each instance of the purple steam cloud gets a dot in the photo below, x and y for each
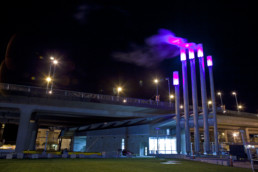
(155, 50)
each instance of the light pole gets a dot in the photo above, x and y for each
(221, 102)
(156, 81)
(55, 62)
(169, 96)
(119, 89)
(48, 79)
(235, 94)
(209, 103)
(51, 75)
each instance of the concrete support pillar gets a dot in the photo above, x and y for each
(186, 107)
(195, 108)
(33, 135)
(178, 117)
(226, 136)
(214, 111)
(2, 126)
(247, 135)
(25, 115)
(204, 106)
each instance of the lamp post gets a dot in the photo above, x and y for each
(169, 96)
(235, 94)
(51, 74)
(156, 81)
(119, 89)
(204, 98)
(221, 102)
(186, 101)
(48, 79)
(213, 102)
(177, 108)
(55, 62)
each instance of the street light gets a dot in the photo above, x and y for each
(55, 62)
(220, 95)
(119, 89)
(156, 81)
(235, 94)
(50, 74)
(209, 103)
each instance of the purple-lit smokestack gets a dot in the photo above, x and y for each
(215, 127)
(182, 54)
(199, 50)
(177, 105)
(175, 78)
(191, 52)
(209, 61)
(204, 99)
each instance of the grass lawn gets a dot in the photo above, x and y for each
(110, 165)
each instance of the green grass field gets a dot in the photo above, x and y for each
(110, 165)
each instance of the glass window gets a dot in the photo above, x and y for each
(164, 145)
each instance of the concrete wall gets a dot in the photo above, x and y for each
(110, 140)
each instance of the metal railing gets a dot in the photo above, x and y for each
(12, 89)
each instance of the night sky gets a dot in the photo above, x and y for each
(103, 44)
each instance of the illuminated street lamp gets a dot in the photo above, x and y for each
(235, 94)
(169, 90)
(50, 74)
(240, 107)
(48, 79)
(119, 89)
(220, 95)
(209, 102)
(235, 134)
(171, 96)
(55, 62)
(156, 81)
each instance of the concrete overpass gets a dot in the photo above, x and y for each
(31, 108)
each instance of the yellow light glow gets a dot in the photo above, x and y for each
(124, 100)
(48, 79)
(181, 106)
(50, 92)
(219, 93)
(156, 81)
(52, 58)
(240, 107)
(209, 102)
(55, 62)
(235, 134)
(171, 96)
(119, 89)
(233, 93)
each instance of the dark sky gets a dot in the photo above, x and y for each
(85, 35)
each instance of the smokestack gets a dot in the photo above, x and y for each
(194, 98)
(178, 117)
(204, 99)
(210, 64)
(186, 102)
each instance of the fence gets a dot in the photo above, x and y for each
(81, 96)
